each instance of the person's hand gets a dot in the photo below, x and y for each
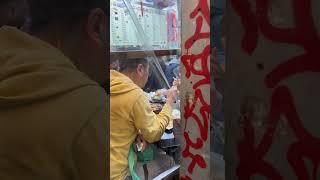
(176, 82)
(141, 143)
(171, 96)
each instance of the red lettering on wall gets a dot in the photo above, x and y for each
(197, 64)
(196, 159)
(304, 34)
(202, 7)
(248, 19)
(197, 35)
(189, 62)
(204, 111)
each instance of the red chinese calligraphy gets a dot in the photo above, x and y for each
(305, 35)
(197, 64)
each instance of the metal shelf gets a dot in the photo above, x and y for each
(168, 173)
(141, 54)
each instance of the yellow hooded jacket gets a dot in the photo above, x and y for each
(53, 118)
(130, 111)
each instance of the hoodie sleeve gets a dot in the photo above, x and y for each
(152, 126)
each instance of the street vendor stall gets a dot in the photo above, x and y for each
(150, 29)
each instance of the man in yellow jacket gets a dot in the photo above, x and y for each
(131, 112)
(53, 108)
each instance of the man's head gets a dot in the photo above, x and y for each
(78, 28)
(136, 69)
(13, 12)
(114, 65)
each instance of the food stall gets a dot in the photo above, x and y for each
(151, 29)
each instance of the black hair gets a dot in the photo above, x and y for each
(162, 64)
(132, 64)
(13, 12)
(68, 12)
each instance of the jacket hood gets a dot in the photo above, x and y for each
(120, 83)
(31, 69)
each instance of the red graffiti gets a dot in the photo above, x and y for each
(197, 35)
(204, 111)
(189, 63)
(203, 7)
(305, 35)
(197, 64)
(250, 38)
(196, 159)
